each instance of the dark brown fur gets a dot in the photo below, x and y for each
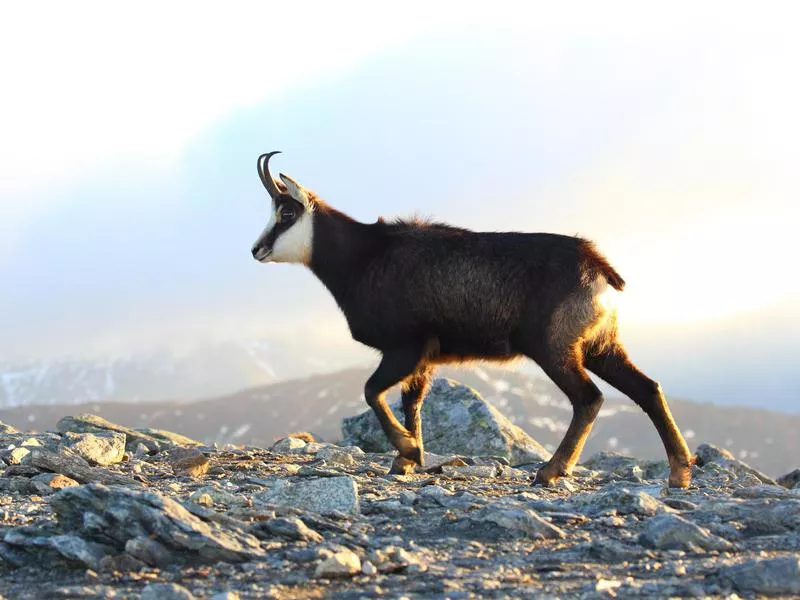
(425, 293)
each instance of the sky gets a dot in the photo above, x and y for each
(129, 197)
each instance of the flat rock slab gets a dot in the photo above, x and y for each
(496, 522)
(455, 420)
(88, 423)
(672, 532)
(101, 448)
(324, 495)
(115, 516)
(770, 576)
(70, 464)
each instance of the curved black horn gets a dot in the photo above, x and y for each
(266, 178)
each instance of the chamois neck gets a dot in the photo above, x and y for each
(341, 248)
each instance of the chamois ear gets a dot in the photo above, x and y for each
(297, 191)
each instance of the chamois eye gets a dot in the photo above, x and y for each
(287, 214)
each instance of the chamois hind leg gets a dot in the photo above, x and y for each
(414, 389)
(568, 374)
(613, 365)
(396, 365)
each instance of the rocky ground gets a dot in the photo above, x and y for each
(96, 510)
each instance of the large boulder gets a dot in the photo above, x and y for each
(455, 420)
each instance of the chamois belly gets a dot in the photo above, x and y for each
(450, 349)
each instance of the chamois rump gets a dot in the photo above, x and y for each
(425, 294)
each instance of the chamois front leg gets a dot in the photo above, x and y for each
(396, 365)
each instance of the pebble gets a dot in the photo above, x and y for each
(344, 563)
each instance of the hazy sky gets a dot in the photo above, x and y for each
(129, 197)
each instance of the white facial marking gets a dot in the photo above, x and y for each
(294, 244)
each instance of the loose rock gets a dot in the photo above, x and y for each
(166, 591)
(769, 576)
(710, 454)
(496, 522)
(106, 448)
(344, 563)
(325, 495)
(189, 463)
(115, 515)
(790, 480)
(75, 467)
(88, 423)
(672, 532)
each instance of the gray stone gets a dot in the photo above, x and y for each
(344, 563)
(149, 551)
(170, 438)
(500, 522)
(88, 423)
(391, 559)
(710, 454)
(70, 464)
(225, 596)
(102, 448)
(672, 532)
(768, 576)
(627, 467)
(328, 452)
(17, 485)
(790, 480)
(291, 528)
(324, 495)
(623, 501)
(166, 591)
(469, 471)
(288, 445)
(49, 483)
(339, 458)
(455, 420)
(764, 491)
(612, 551)
(216, 496)
(71, 547)
(114, 515)
(367, 568)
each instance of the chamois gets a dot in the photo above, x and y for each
(425, 294)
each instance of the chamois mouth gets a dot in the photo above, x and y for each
(262, 255)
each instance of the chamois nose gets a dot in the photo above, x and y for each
(255, 251)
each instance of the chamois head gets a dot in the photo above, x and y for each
(288, 235)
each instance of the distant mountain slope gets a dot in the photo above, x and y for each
(195, 371)
(767, 440)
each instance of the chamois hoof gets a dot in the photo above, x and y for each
(680, 475)
(548, 475)
(402, 466)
